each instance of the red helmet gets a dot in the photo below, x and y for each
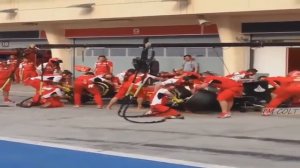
(294, 74)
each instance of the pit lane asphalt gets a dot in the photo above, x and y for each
(245, 140)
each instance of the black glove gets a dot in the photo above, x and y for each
(160, 95)
(97, 80)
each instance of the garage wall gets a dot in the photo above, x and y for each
(270, 60)
(209, 59)
(11, 44)
(273, 60)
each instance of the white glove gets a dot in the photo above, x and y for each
(90, 85)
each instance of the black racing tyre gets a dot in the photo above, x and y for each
(181, 92)
(106, 89)
(202, 101)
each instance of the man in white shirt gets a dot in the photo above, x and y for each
(190, 65)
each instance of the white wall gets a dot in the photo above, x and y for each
(270, 60)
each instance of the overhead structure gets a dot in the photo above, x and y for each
(249, 44)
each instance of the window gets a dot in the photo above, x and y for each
(135, 52)
(118, 52)
(196, 51)
(159, 51)
(80, 52)
(88, 52)
(100, 51)
(215, 52)
(175, 51)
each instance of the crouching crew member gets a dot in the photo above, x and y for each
(187, 79)
(228, 89)
(47, 94)
(132, 86)
(158, 106)
(51, 96)
(238, 76)
(128, 79)
(86, 82)
(285, 88)
(52, 67)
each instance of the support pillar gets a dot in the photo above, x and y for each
(57, 36)
(235, 58)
